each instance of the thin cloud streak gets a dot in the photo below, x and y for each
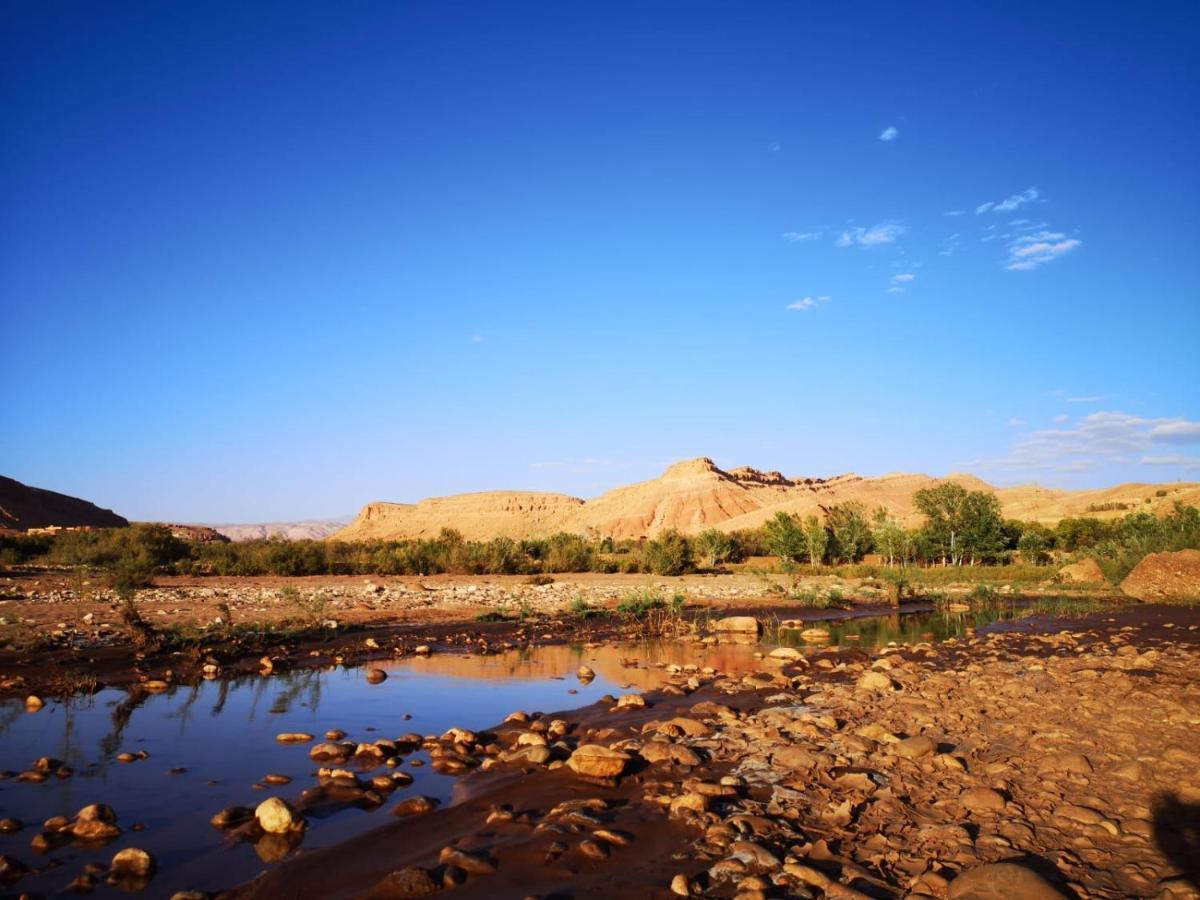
(1097, 439)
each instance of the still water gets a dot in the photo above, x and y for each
(221, 734)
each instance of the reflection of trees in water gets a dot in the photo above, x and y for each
(122, 713)
(304, 683)
(222, 697)
(184, 712)
(10, 713)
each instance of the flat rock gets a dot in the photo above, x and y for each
(1002, 881)
(739, 624)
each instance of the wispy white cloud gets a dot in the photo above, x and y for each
(1010, 203)
(796, 237)
(1173, 459)
(889, 134)
(873, 236)
(1097, 439)
(804, 304)
(1032, 250)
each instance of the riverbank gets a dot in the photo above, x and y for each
(60, 633)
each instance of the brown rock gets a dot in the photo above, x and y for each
(739, 624)
(1165, 578)
(408, 883)
(875, 681)
(914, 747)
(982, 800)
(1002, 881)
(132, 862)
(597, 761)
(414, 806)
(1086, 571)
(473, 863)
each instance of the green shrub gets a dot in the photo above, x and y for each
(668, 554)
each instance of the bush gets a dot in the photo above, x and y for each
(668, 554)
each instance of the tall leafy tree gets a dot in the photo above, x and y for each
(714, 545)
(888, 536)
(784, 537)
(851, 533)
(816, 540)
(960, 525)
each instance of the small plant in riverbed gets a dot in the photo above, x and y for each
(897, 584)
(141, 632)
(581, 609)
(638, 602)
(312, 608)
(983, 595)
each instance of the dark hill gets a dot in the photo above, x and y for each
(23, 507)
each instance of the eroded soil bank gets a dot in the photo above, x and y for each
(915, 770)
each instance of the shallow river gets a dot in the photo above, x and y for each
(221, 734)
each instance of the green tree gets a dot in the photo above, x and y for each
(889, 537)
(816, 540)
(1033, 543)
(714, 545)
(960, 525)
(784, 537)
(983, 527)
(851, 533)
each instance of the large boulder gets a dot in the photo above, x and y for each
(597, 761)
(1086, 571)
(738, 625)
(1165, 578)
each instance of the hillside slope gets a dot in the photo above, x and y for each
(22, 507)
(693, 495)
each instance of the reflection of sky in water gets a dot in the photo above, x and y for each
(223, 734)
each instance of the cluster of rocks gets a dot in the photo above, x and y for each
(1012, 765)
(95, 825)
(925, 765)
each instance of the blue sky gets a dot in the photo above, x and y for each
(270, 261)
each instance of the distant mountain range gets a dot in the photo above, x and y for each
(693, 495)
(311, 529)
(689, 496)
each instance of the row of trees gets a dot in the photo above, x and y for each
(961, 528)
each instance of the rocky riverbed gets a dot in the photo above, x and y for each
(1020, 763)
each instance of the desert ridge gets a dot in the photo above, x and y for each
(696, 494)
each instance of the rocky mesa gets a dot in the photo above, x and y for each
(696, 494)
